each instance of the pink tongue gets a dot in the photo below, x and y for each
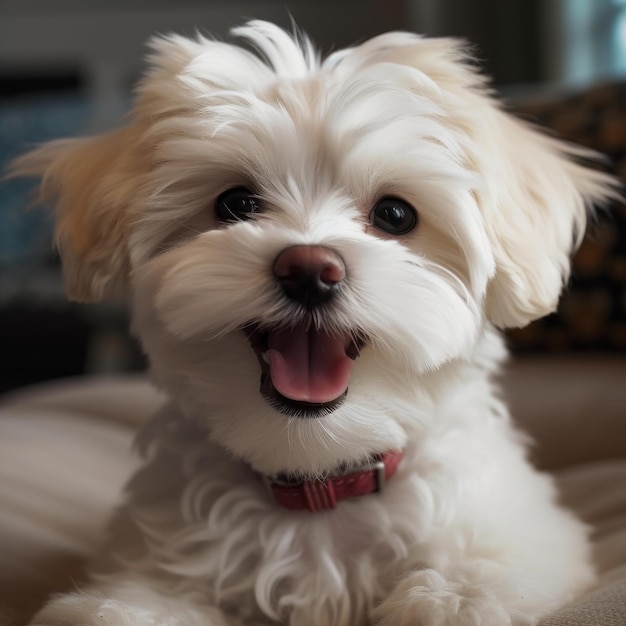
(308, 365)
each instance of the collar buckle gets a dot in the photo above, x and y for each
(380, 471)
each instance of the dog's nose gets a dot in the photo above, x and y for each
(309, 275)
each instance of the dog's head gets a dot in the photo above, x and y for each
(305, 242)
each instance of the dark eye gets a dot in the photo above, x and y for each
(236, 205)
(394, 216)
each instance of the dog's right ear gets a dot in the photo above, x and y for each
(90, 182)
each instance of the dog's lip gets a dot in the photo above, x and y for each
(295, 408)
(258, 335)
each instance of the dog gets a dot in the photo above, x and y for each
(320, 256)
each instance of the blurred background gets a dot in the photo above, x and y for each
(67, 67)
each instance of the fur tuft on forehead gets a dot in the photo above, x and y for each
(202, 65)
(289, 56)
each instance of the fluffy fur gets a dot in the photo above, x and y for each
(466, 533)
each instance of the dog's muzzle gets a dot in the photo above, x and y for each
(305, 369)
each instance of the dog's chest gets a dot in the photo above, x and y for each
(248, 553)
(230, 544)
(214, 532)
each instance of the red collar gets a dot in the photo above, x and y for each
(319, 495)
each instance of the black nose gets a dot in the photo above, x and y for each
(309, 275)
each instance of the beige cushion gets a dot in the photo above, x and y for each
(575, 409)
(597, 491)
(574, 406)
(65, 454)
(605, 606)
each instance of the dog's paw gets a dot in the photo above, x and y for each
(426, 598)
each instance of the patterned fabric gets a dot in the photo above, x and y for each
(592, 314)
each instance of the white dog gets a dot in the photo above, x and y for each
(318, 255)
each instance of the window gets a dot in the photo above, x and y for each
(619, 36)
(585, 40)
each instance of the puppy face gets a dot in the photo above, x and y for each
(305, 244)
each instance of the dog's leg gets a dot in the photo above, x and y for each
(475, 593)
(127, 603)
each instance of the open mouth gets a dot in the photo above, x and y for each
(304, 371)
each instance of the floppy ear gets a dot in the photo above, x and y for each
(90, 182)
(93, 183)
(535, 205)
(532, 191)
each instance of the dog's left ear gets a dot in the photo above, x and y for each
(532, 189)
(535, 202)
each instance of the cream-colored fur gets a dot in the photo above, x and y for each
(466, 533)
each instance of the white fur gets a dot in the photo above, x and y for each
(466, 533)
